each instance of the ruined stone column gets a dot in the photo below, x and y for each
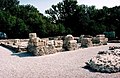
(86, 42)
(69, 43)
(102, 39)
(39, 46)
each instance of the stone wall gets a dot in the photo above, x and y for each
(41, 47)
(89, 41)
(100, 39)
(18, 45)
(86, 42)
(44, 46)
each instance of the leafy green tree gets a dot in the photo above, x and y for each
(63, 13)
(67, 17)
(7, 4)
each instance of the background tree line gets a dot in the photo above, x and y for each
(66, 17)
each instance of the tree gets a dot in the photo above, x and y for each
(7, 4)
(67, 17)
(63, 13)
(62, 10)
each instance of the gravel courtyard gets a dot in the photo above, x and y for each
(60, 65)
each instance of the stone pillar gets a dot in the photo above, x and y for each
(16, 42)
(32, 35)
(39, 46)
(102, 39)
(86, 42)
(69, 43)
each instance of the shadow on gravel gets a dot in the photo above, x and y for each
(22, 54)
(88, 68)
(94, 71)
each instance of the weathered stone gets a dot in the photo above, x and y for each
(69, 43)
(100, 39)
(50, 49)
(72, 45)
(60, 37)
(16, 42)
(86, 42)
(42, 50)
(95, 40)
(58, 43)
(39, 46)
(105, 61)
(69, 37)
(50, 42)
(80, 38)
(32, 35)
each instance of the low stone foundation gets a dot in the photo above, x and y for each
(41, 47)
(45, 46)
(89, 41)
(17, 45)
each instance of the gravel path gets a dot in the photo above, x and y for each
(59, 65)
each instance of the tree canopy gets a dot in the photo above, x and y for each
(66, 17)
(19, 20)
(83, 19)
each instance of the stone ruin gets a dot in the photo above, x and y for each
(38, 46)
(51, 45)
(41, 47)
(17, 45)
(86, 42)
(105, 61)
(100, 39)
(89, 41)
(69, 43)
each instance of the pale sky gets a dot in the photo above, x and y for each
(43, 5)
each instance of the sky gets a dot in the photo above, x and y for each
(43, 5)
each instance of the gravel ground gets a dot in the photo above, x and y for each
(60, 65)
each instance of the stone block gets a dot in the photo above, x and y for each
(58, 43)
(36, 39)
(105, 61)
(70, 45)
(86, 42)
(50, 42)
(32, 35)
(69, 37)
